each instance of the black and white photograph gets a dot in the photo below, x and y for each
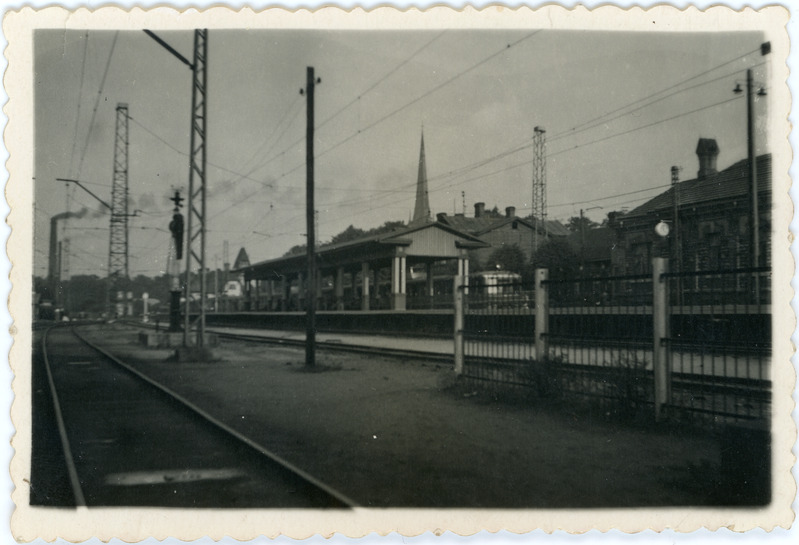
(430, 266)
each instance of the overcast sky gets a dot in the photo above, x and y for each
(478, 94)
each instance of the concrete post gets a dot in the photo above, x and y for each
(662, 352)
(398, 283)
(270, 294)
(339, 288)
(144, 301)
(319, 282)
(541, 314)
(300, 292)
(459, 323)
(365, 286)
(463, 268)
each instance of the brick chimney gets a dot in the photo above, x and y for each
(441, 217)
(510, 211)
(479, 209)
(708, 151)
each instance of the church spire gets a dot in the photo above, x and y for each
(421, 211)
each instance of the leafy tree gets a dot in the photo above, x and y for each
(387, 227)
(350, 233)
(508, 258)
(42, 287)
(575, 223)
(297, 249)
(85, 293)
(557, 255)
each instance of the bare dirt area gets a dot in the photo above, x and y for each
(392, 433)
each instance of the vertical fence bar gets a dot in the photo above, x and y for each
(660, 320)
(541, 314)
(458, 326)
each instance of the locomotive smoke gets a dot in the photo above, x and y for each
(52, 268)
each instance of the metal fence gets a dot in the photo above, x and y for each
(681, 345)
(498, 325)
(719, 343)
(600, 337)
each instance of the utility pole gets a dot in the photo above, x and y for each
(195, 227)
(197, 183)
(582, 242)
(310, 282)
(751, 153)
(118, 235)
(539, 200)
(676, 250)
(765, 49)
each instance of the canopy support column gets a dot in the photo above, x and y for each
(365, 286)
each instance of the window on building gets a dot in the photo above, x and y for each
(641, 256)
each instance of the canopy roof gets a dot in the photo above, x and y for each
(428, 242)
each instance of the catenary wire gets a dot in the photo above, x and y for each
(97, 102)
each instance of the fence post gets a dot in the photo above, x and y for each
(541, 314)
(660, 321)
(459, 321)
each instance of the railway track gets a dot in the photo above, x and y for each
(129, 440)
(435, 357)
(340, 347)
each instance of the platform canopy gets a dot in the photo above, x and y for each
(398, 250)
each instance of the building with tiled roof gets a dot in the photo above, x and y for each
(500, 231)
(712, 227)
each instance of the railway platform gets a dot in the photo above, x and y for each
(422, 345)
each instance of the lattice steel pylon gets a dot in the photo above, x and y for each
(539, 201)
(118, 237)
(195, 225)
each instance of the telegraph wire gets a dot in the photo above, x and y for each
(426, 94)
(639, 108)
(353, 101)
(667, 88)
(97, 102)
(80, 97)
(549, 155)
(381, 80)
(455, 184)
(644, 126)
(176, 150)
(360, 131)
(502, 155)
(290, 124)
(401, 108)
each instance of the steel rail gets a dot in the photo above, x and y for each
(77, 490)
(224, 427)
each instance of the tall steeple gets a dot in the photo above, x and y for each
(421, 211)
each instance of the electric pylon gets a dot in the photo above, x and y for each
(539, 201)
(195, 240)
(118, 244)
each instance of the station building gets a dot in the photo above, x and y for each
(499, 231)
(709, 219)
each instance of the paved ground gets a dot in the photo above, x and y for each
(392, 433)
